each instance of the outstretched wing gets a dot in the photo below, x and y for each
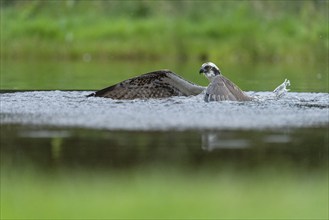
(157, 84)
(221, 89)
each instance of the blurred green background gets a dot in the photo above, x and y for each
(69, 44)
(221, 30)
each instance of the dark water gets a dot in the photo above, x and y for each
(49, 148)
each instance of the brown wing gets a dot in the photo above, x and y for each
(158, 84)
(221, 89)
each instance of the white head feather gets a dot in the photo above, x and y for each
(210, 70)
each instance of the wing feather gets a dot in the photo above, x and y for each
(221, 89)
(157, 84)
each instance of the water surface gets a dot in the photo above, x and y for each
(70, 108)
(81, 75)
(302, 149)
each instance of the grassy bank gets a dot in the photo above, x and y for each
(216, 30)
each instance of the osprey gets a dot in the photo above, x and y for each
(221, 88)
(165, 83)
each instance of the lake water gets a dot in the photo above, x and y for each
(68, 121)
(48, 134)
(74, 109)
(94, 75)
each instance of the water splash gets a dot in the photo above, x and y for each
(281, 90)
(73, 109)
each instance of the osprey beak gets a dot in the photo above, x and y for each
(201, 71)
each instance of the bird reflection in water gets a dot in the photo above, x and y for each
(217, 140)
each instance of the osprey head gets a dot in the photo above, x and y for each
(210, 70)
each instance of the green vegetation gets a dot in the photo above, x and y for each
(163, 193)
(217, 30)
